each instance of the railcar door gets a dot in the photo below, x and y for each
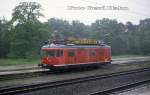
(59, 56)
(101, 55)
(71, 58)
(81, 55)
(92, 54)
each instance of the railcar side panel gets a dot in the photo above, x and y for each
(71, 56)
(81, 56)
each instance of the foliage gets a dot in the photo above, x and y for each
(4, 38)
(24, 34)
(26, 12)
(27, 40)
(27, 31)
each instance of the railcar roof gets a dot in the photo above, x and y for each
(73, 46)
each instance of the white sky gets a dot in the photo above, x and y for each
(138, 9)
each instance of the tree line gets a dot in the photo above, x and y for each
(24, 34)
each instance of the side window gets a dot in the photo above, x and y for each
(59, 53)
(71, 53)
(51, 53)
(92, 53)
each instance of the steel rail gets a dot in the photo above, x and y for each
(37, 86)
(22, 75)
(26, 74)
(121, 88)
(19, 69)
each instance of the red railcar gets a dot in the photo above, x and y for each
(57, 55)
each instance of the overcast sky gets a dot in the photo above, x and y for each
(86, 11)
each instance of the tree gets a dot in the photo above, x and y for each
(73, 29)
(4, 38)
(78, 29)
(28, 31)
(61, 26)
(143, 34)
(26, 12)
(110, 31)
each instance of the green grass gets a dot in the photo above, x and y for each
(10, 62)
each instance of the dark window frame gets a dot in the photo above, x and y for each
(71, 53)
(59, 53)
(52, 53)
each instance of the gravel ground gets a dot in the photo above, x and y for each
(139, 90)
(85, 88)
(61, 76)
(74, 74)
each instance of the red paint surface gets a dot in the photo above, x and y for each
(82, 56)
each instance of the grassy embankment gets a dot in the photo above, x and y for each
(10, 62)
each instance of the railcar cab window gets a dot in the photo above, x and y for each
(52, 53)
(59, 53)
(71, 53)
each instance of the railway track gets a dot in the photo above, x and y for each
(36, 71)
(120, 88)
(22, 73)
(19, 69)
(72, 83)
